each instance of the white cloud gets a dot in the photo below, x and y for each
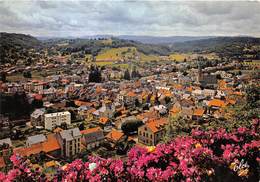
(79, 18)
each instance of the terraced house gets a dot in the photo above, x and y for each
(92, 137)
(152, 132)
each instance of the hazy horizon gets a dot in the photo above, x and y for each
(143, 18)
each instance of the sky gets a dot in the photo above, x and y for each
(153, 18)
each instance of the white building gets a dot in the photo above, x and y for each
(56, 119)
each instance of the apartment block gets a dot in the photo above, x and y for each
(56, 119)
(70, 142)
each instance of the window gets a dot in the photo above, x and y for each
(151, 136)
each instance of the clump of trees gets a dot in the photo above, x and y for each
(95, 74)
(131, 126)
(27, 74)
(15, 105)
(131, 75)
(127, 75)
(3, 76)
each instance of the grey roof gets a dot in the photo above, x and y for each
(96, 112)
(102, 109)
(6, 141)
(94, 136)
(36, 139)
(38, 112)
(70, 134)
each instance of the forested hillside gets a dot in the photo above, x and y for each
(16, 46)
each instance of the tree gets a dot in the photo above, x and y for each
(95, 74)
(27, 74)
(135, 73)
(131, 126)
(15, 105)
(127, 75)
(81, 126)
(3, 76)
(29, 61)
(252, 96)
(177, 126)
(37, 103)
(64, 125)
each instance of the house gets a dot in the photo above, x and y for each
(209, 92)
(104, 122)
(161, 109)
(186, 112)
(50, 164)
(176, 109)
(198, 114)
(56, 119)
(34, 86)
(114, 136)
(146, 116)
(92, 137)
(70, 142)
(49, 146)
(14, 87)
(37, 117)
(152, 132)
(35, 139)
(216, 103)
(107, 110)
(207, 80)
(6, 141)
(130, 99)
(184, 80)
(49, 93)
(6, 150)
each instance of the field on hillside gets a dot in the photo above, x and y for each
(127, 53)
(116, 54)
(179, 57)
(112, 64)
(144, 57)
(107, 41)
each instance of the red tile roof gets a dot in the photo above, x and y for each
(90, 130)
(198, 112)
(51, 144)
(103, 120)
(115, 135)
(156, 125)
(216, 102)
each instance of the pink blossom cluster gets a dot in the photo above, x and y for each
(202, 156)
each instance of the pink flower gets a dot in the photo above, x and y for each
(15, 160)
(2, 176)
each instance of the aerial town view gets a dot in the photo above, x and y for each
(129, 91)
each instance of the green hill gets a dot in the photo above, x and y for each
(16, 46)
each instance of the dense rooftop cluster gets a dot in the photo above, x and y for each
(202, 156)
